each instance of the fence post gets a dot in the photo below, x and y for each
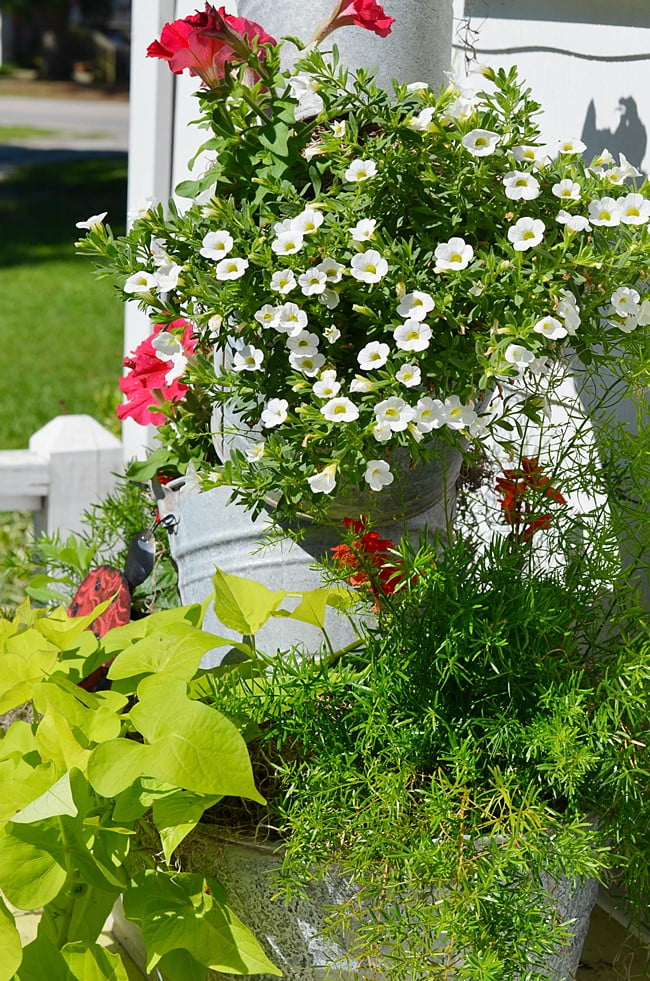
(83, 459)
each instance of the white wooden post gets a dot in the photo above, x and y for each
(76, 461)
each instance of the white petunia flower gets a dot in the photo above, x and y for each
(618, 175)
(634, 209)
(453, 255)
(141, 209)
(360, 170)
(168, 348)
(539, 366)
(303, 343)
(304, 89)
(159, 254)
(339, 409)
(378, 475)
(361, 384)
(216, 245)
(338, 128)
(519, 356)
(412, 335)
(275, 413)
(364, 230)
(288, 242)
(395, 413)
(567, 189)
(140, 282)
(307, 222)
(248, 358)
(601, 162)
(604, 211)
(526, 233)
(415, 305)
(457, 415)
(417, 86)
(333, 270)
(643, 316)
(282, 226)
(551, 328)
(230, 268)
(323, 482)
(368, 267)
(381, 432)
(292, 320)
(423, 121)
(331, 334)
(577, 223)
(409, 375)
(307, 364)
(429, 414)
(520, 186)
(267, 315)
(535, 155)
(570, 147)
(569, 311)
(255, 453)
(283, 281)
(327, 386)
(312, 282)
(373, 355)
(92, 222)
(625, 301)
(481, 142)
(329, 299)
(167, 276)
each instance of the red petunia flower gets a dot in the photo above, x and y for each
(360, 13)
(520, 490)
(204, 43)
(153, 376)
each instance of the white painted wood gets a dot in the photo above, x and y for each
(24, 480)
(82, 460)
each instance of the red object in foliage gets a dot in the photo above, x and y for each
(363, 13)
(520, 490)
(99, 585)
(146, 383)
(367, 560)
(204, 43)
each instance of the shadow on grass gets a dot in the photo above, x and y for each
(40, 203)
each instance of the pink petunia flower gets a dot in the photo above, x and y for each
(147, 384)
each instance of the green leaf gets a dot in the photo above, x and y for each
(115, 765)
(242, 604)
(26, 661)
(144, 470)
(314, 602)
(175, 649)
(42, 961)
(92, 962)
(181, 964)
(10, 944)
(62, 630)
(188, 912)
(176, 814)
(57, 742)
(29, 876)
(21, 783)
(86, 910)
(96, 715)
(55, 801)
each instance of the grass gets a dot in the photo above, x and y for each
(23, 132)
(61, 327)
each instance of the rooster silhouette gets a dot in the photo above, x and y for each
(629, 137)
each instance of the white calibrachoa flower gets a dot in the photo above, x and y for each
(267, 315)
(364, 230)
(307, 364)
(255, 453)
(368, 267)
(519, 356)
(457, 415)
(429, 414)
(331, 334)
(333, 270)
(415, 305)
(570, 146)
(453, 255)
(167, 277)
(248, 358)
(230, 268)
(600, 163)
(361, 384)
(526, 233)
(330, 299)
(288, 242)
(382, 432)
(338, 128)
(625, 301)
(634, 209)
(520, 186)
(360, 170)
(409, 375)
(283, 281)
(93, 222)
(340, 409)
(307, 222)
(313, 282)
(577, 223)
(423, 121)
(481, 142)
(378, 475)
(327, 386)
(395, 413)
(373, 355)
(303, 343)
(535, 155)
(292, 320)
(169, 348)
(567, 189)
(412, 335)
(216, 245)
(551, 328)
(275, 413)
(323, 482)
(140, 282)
(569, 311)
(604, 211)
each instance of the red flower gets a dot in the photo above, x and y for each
(364, 13)
(146, 384)
(519, 489)
(205, 43)
(366, 560)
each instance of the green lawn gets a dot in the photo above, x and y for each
(61, 328)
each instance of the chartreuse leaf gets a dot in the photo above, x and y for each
(242, 604)
(95, 715)
(56, 800)
(85, 909)
(29, 875)
(176, 814)
(92, 962)
(62, 630)
(185, 911)
(181, 964)
(11, 951)
(57, 742)
(21, 783)
(18, 742)
(193, 746)
(115, 765)
(27, 659)
(313, 604)
(120, 638)
(175, 648)
(43, 961)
